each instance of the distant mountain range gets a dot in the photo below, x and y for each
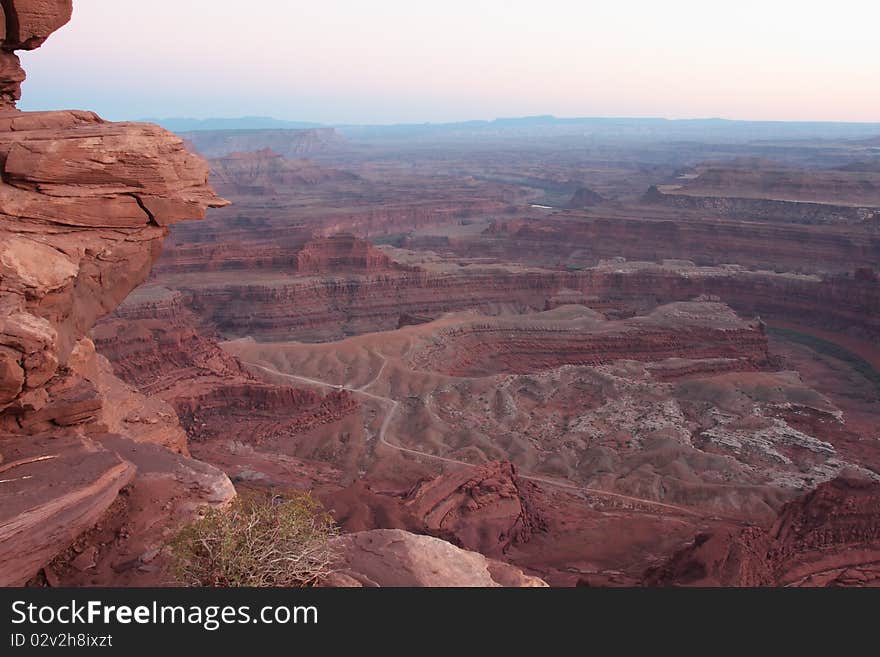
(547, 126)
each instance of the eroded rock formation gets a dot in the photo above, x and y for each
(828, 537)
(657, 234)
(578, 336)
(486, 509)
(279, 305)
(84, 207)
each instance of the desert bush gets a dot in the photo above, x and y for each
(257, 541)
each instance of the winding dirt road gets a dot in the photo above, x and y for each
(393, 405)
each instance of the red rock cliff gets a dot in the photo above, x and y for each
(84, 207)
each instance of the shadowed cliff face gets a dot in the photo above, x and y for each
(84, 207)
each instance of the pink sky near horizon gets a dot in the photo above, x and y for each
(392, 61)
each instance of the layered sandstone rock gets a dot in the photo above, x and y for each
(767, 210)
(84, 207)
(298, 250)
(276, 306)
(576, 335)
(53, 489)
(156, 345)
(576, 240)
(342, 252)
(755, 178)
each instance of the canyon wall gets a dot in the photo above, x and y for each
(155, 344)
(758, 178)
(326, 307)
(570, 335)
(298, 251)
(578, 241)
(768, 210)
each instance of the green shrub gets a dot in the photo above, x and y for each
(257, 541)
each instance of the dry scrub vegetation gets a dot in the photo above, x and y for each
(257, 541)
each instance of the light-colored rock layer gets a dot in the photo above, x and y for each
(393, 557)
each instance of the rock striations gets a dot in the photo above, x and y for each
(84, 207)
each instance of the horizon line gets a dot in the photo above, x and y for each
(553, 117)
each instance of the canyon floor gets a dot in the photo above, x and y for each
(577, 365)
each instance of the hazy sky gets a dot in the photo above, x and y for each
(382, 61)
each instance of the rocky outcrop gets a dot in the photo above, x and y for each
(393, 557)
(342, 252)
(78, 236)
(828, 537)
(84, 207)
(486, 509)
(53, 489)
(127, 544)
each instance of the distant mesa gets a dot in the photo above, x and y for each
(341, 252)
(266, 171)
(291, 144)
